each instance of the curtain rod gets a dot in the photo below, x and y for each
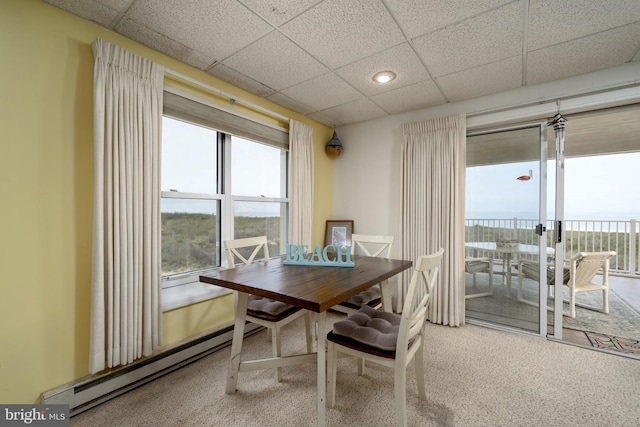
(234, 99)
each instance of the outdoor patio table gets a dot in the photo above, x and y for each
(314, 288)
(508, 252)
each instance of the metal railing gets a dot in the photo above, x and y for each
(623, 237)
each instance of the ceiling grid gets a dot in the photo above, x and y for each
(317, 57)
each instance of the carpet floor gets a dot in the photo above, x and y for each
(475, 376)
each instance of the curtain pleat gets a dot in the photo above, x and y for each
(126, 312)
(433, 179)
(300, 183)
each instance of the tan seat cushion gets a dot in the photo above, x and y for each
(530, 269)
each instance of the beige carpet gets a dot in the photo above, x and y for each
(475, 377)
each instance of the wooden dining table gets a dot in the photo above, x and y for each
(314, 288)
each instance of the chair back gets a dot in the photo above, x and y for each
(371, 245)
(245, 250)
(585, 265)
(477, 265)
(414, 311)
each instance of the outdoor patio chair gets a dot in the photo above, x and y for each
(388, 339)
(266, 312)
(578, 277)
(479, 265)
(374, 246)
(584, 267)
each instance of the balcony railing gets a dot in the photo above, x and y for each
(579, 236)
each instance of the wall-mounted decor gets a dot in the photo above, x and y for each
(338, 233)
(334, 146)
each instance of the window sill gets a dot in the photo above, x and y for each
(190, 293)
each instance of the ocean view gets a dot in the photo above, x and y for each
(584, 221)
(594, 216)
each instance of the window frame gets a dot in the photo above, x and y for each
(226, 201)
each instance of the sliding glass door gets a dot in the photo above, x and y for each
(506, 240)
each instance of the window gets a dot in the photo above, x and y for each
(190, 203)
(216, 186)
(258, 185)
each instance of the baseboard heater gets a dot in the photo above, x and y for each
(89, 392)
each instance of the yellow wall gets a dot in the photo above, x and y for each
(46, 184)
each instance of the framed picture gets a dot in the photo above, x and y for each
(338, 233)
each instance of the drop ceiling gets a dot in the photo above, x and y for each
(317, 57)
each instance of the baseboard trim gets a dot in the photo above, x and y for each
(93, 390)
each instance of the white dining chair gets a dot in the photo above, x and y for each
(266, 312)
(373, 246)
(389, 339)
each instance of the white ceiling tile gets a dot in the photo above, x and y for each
(605, 50)
(290, 103)
(97, 12)
(275, 61)
(484, 39)
(278, 12)
(408, 98)
(483, 80)
(323, 92)
(240, 80)
(339, 32)
(400, 59)
(323, 117)
(321, 54)
(210, 27)
(418, 17)
(551, 22)
(120, 5)
(156, 41)
(356, 111)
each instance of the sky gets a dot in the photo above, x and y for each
(598, 187)
(189, 163)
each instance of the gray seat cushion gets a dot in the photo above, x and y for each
(266, 305)
(372, 327)
(369, 297)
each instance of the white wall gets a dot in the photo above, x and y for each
(366, 178)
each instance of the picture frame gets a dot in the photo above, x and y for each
(338, 232)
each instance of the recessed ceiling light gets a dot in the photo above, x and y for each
(384, 76)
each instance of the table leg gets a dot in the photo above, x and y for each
(236, 344)
(386, 296)
(322, 367)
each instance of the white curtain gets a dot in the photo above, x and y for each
(433, 193)
(126, 312)
(300, 183)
